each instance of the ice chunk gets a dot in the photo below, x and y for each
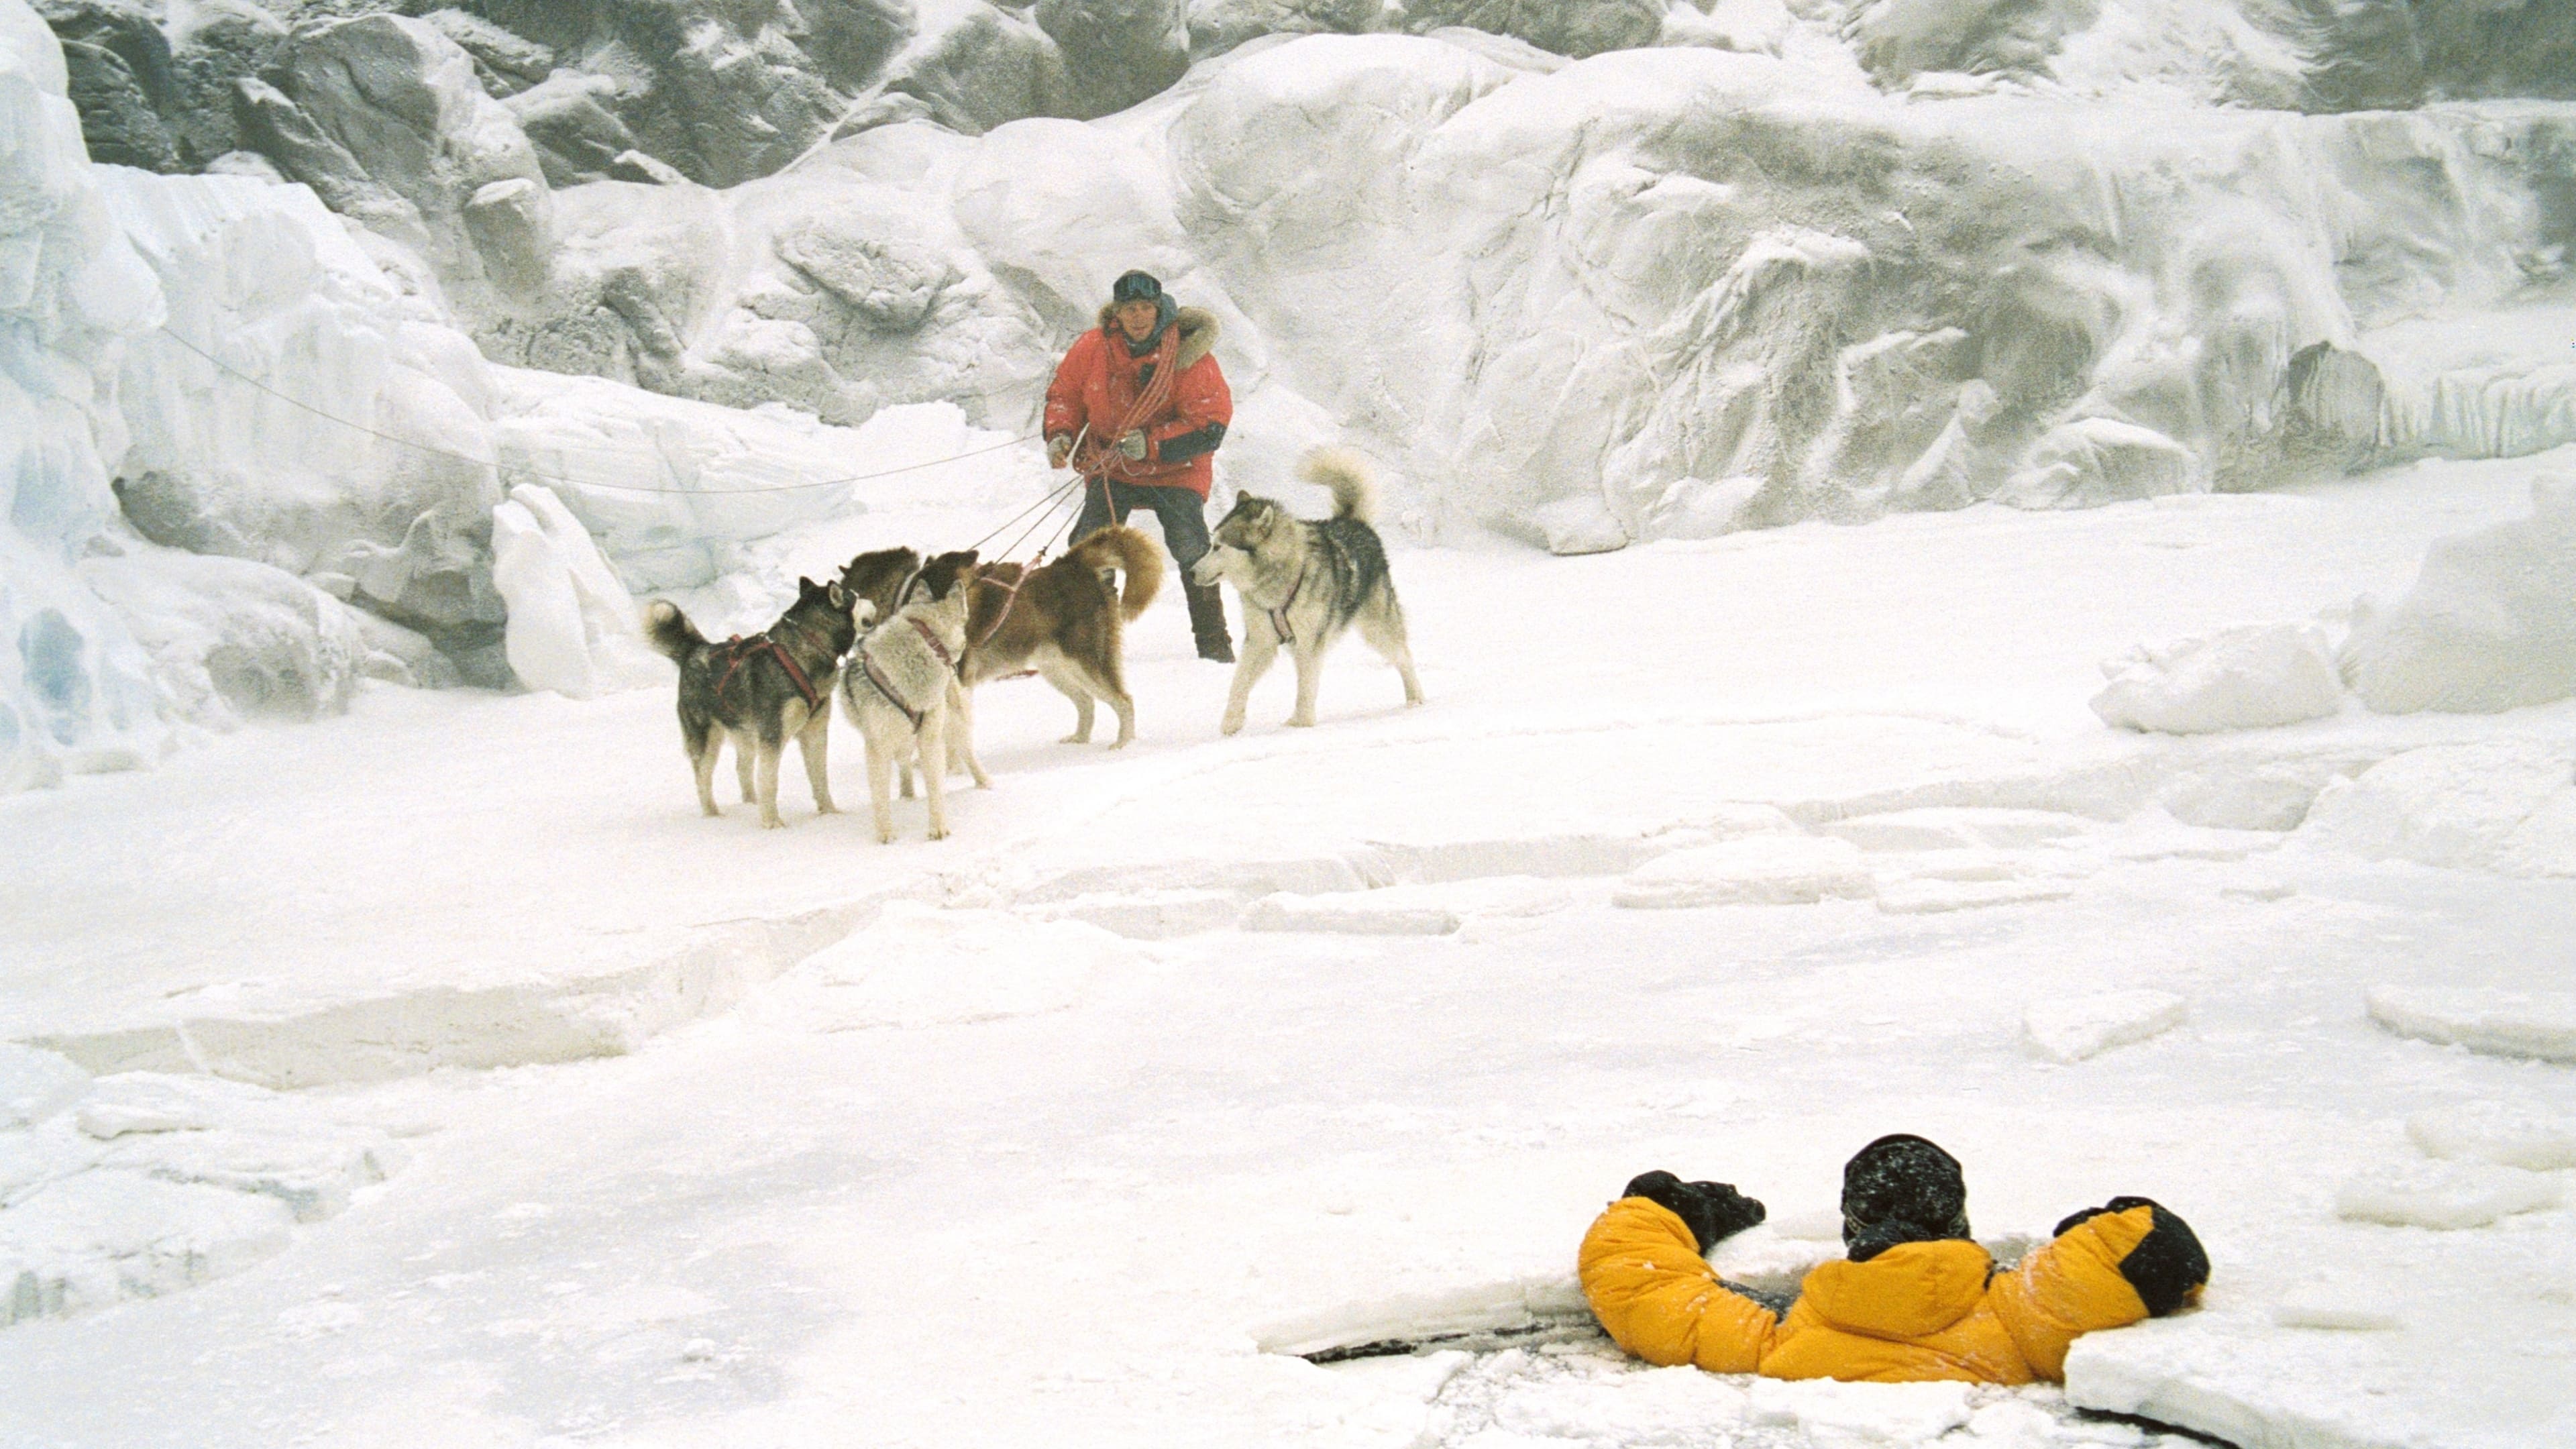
(573, 628)
(88, 1240)
(2500, 1023)
(35, 1084)
(1577, 525)
(2250, 677)
(2490, 624)
(1839, 1413)
(2513, 1134)
(1762, 870)
(2086, 1026)
(161, 1102)
(312, 1172)
(2502, 805)
(2444, 1195)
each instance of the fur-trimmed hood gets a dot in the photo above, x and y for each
(1198, 331)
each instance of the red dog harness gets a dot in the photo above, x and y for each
(743, 650)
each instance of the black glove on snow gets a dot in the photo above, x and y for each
(1713, 1211)
(2167, 1266)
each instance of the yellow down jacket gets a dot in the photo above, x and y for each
(1916, 1311)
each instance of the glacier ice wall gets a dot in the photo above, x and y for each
(75, 687)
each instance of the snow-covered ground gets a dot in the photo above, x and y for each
(557, 1114)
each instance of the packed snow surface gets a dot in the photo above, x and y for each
(437, 1075)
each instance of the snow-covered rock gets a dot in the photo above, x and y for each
(2512, 1134)
(2251, 677)
(573, 627)
(390, 101)
(2489, 625)
(2445, 1195)
(2503, 805)
(2504, 1023)
(2074, 1028)
(1759, 870)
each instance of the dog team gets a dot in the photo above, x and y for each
(905, 642)
(1137, 409)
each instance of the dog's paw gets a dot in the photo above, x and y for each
(1295, 723)
(885, 837)
(1078, 737)
(939, 832)
(826, 807)
(772, 822)
(1233, 726)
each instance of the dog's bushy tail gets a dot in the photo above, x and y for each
(1135, 557)
(671, 631)
(1347, 474)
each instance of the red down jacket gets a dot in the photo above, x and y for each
(1098, 384)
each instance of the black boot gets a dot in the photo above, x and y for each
(1207, 621)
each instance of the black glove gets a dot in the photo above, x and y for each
(1713, 1211)
(2167, 1266)
(1059, 450)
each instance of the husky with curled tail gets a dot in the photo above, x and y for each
(758, 692)
(901, 686)
(1305, 581)
(1063, 620)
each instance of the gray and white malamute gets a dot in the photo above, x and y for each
(1304, 581)
(902, 691)
(759, 691)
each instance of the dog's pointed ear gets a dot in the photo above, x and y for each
(839, 596)
(1264, 519)
(806, 588)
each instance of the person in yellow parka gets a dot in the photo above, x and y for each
(1915, 1299)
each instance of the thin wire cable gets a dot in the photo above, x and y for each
(519, 469)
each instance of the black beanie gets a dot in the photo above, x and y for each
(1901, 1189)
(1135, 287)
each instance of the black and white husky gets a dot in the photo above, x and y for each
(758, 692)
(902, 691)
(1304, 581)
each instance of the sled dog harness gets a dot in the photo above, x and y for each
(743, 650)
(1010, 596)
(868, 670)
(1279, 616)
(885, 688)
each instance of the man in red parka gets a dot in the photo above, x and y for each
(1137, 407)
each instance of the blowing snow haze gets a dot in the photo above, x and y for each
(368, 972)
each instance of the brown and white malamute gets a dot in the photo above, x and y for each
(1062, 620)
